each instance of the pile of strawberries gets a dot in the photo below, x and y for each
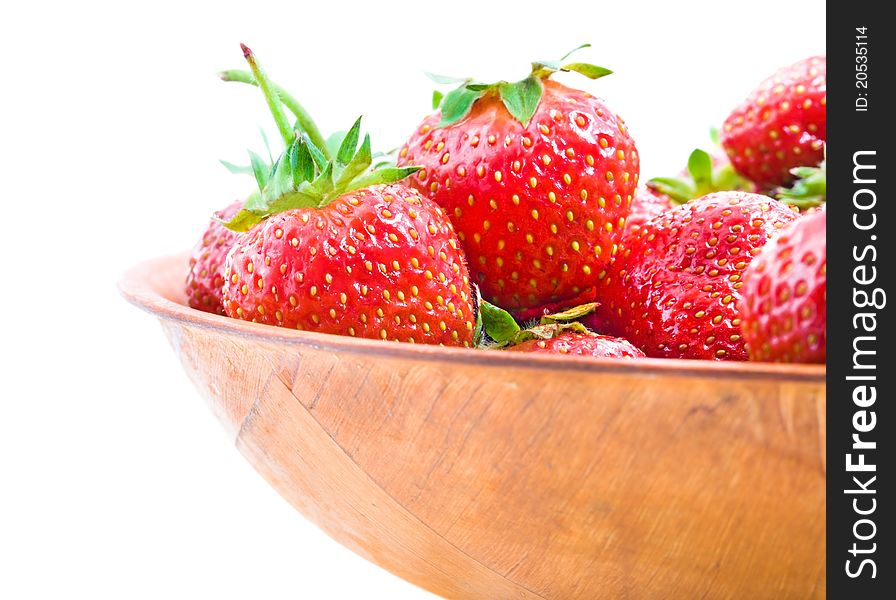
(520, 203)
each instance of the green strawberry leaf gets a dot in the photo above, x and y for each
(243, 220)
(444, 79)
(702, 177)
(334, 141)
(253, 211)
(304, 197)
(497, 323)
(521, 98)
(809, 190)
(304, 175)
(700, 169)
(255, 202)
(677, 189)
(323, 184)
(504, 331)
(320, 160)
(457, 103)
(726, 178)
(546, 68)
(296, 181)
(803, 172)
(384, 176)
(357, 165)
(570, 314)
(237, 169)
(588, 70)
(349, 144)
(280, 180)
(260, 169)
(301, 162)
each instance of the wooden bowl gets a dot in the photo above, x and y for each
(500, 475)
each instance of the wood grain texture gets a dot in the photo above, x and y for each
(523, 476)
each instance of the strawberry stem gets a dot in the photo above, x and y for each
(303, 117)
(271, 96)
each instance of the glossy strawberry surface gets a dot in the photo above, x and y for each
(646, 204)
(675, 287)
(785, 299)
(379, 262)
(205, 279)
(538, 209)
(781, 125)
(578, 344)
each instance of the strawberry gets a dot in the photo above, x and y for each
(581, 344)
(206, 276)
(781, 125)
(784, 309)
(376, 262)
(335, 247)
(647, 204)
(538, 179)
(555, 334)
(674, 288)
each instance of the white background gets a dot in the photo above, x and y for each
(115, 480)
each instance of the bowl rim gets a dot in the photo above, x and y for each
(140, 285)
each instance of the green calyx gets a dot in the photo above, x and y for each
(520, 98)
(503, 330)
(308, 174)
(702, 178)
(302, 177)
(809, 190)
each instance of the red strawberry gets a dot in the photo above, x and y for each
(206, 276)
(674, 288)
(333, 248)
(647, 204)
(558, 333)
(205, 279)
(781, 125)
(785, 303)
(581, 344)
(378, 262)
(538, 179)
